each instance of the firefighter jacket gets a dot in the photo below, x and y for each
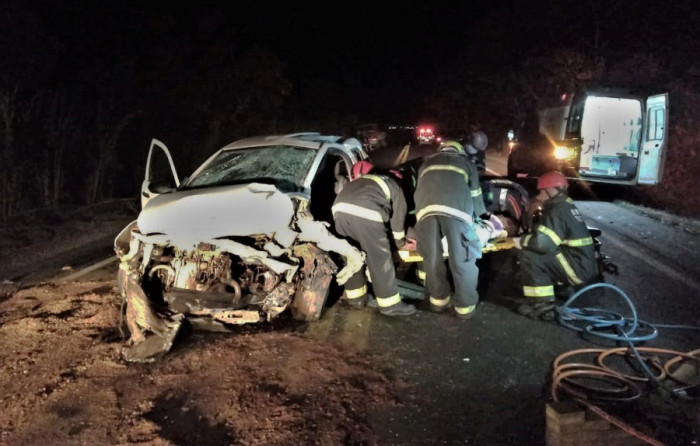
(479, 160)
(448, 184)
(562, 232)
(377, 198)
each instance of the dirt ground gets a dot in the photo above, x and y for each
(64, 381)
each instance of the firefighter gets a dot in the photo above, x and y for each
(487, 226)
(559, 250)
(476, 150)
(361, 212)
(448, 199)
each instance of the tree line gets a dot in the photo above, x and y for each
(76, 116)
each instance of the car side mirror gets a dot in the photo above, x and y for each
(162, 187)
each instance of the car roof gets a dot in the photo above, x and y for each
(311, 140)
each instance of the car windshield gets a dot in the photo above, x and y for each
(283, 166)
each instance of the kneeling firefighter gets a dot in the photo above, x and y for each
(559, 250)
(361, 212)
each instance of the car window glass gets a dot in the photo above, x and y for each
(283, 166)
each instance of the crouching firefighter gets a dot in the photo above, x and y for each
(558, 251)
(361, 211)
(448, 198)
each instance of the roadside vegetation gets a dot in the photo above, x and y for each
(84, 141)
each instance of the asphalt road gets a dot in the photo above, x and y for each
(486, 380)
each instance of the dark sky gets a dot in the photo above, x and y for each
(383, 57)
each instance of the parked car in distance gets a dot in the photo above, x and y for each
(598, 136)
(241, 240)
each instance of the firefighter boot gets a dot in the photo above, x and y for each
(438, 305)
(357, 303)
(465, 313)
(545, 310)
(399, 309)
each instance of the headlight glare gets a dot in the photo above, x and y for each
(562, 152)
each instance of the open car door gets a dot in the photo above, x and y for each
(161, 176)
(654, 140)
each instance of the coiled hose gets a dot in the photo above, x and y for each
(574, 378)
(616, 327)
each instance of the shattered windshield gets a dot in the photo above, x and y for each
(283, 166)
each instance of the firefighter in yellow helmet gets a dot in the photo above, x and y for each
(448, 200)
(559, 250)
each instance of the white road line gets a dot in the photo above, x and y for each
(656, 264)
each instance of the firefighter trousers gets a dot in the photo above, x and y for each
(539, 274)
(464, 250)
(371, 237)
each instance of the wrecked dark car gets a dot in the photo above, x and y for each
(241, 240)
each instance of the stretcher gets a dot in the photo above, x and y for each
(500, 244)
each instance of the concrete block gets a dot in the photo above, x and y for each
(595, 423)
(566, 412)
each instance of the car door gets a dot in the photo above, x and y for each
(654, 141)
(328, 176)
(161, 176)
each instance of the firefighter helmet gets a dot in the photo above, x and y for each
(451, 146)
(552, 179)
(360, 168)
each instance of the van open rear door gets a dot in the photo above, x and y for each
(654, 140)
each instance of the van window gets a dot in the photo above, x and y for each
(574, 125)
(655, 124)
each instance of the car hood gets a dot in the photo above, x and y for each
(190, 216)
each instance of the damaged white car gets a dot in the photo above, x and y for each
(241, 240)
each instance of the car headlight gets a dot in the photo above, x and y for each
(563, 152)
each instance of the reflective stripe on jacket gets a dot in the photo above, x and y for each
(377, 198)
(561, 231)
(448, 184)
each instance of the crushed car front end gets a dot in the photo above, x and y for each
(220, 252)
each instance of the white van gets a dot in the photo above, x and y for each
(598, 136)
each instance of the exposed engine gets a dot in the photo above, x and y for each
(219, 283)
(208, 277)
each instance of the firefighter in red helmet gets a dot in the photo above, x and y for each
(362, 211)
(558, 251)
